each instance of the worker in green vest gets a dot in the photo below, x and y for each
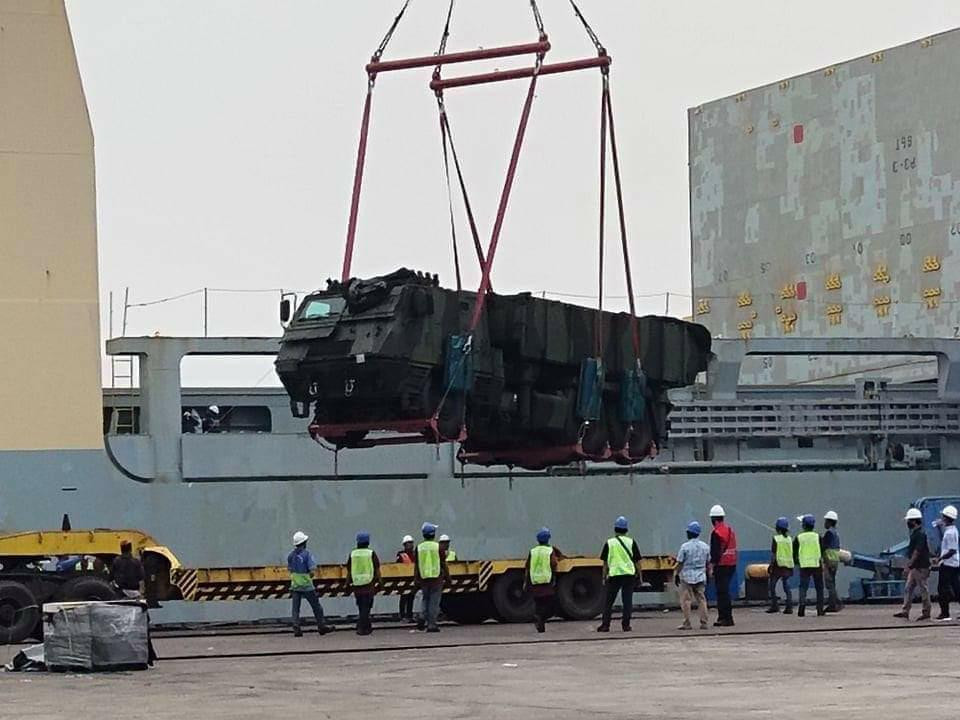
(540, 573)
(807, 554)
(621, 566)
(363, 573)
(429, 572)
(444, 541)
(780, 569)
(830, 547)
(301, 565)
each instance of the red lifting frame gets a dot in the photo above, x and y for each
(540, 48)
(519, 73)
(376, 67)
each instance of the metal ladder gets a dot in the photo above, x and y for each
(121, 377)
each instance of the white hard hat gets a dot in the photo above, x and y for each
(444, 538)
(300, 537)
(407, 538)
(950, 511)
(831, 515)
(913, 514)
(717, 511)
(215, 408)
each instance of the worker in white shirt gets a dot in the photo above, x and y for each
(948, 587)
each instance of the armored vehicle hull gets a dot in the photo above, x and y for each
(535, 383)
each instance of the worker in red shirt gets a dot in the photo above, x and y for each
(405, 556)
(723, 557)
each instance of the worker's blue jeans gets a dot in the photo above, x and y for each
(311, 597)
(431, 606)
(775, 579)
(806, 575)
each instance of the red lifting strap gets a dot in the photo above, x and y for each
(376, 67)
(518, 73)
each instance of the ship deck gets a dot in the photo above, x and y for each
(858, 661)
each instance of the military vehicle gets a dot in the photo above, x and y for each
(537, 382)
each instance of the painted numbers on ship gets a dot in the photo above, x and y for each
(905, 164)
(904, 143)
(810, 258)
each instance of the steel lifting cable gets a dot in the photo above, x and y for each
(362, 147)
(508, 182)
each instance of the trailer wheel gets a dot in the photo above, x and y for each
(86, 588)
(469, 609)
(581, 594)
(511, 602)
(19, 613)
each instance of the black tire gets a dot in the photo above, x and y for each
(468, 609)
(85, 589)
(581, 594)
(511, 602)
(19, 613)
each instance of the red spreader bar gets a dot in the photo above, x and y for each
(376, 67)
(417, 430)
(526, 457)
(520, 73)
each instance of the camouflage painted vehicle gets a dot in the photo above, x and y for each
(527, 388)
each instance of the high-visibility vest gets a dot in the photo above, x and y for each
(619, 556)
(541, 572)
(809, 554)
(784, 550)
(728, 539)
(361, 566)
(451, 555)
(832, 555)
(428, 559)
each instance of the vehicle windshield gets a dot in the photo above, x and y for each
(322, 307)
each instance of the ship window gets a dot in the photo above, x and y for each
(316, 309)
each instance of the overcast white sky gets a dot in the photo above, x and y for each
(226, 136)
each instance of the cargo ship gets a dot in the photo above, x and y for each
(864, 447)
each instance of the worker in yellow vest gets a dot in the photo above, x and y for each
(621, 573)
(540, 574)
(780, 569)
(807, 554)
(363, 573)
(430, 572)
(444, 541)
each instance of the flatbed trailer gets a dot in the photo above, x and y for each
(478, 590)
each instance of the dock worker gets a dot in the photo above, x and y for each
(806, 554)
(621, 572)
(780, 569)
(723, 557)
(693, 566)
(918, 567)
(540, 573)
(301, 565)
(830, 548)
(430, 572)
(363, 573)
(948, 586)
(445, 547)
(405, 556)
(126, 572)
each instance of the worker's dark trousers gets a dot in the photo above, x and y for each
(311, 597)
(830, 582)
(406, 606)
(775, 578)
(364, 606)
(542, 609)
(722, 575)
(805, 576)
(622, 584)
(948, 587)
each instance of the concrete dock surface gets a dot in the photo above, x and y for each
(860, 663)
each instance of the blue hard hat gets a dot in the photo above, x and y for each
(428, 528)
(693, 528)
(363, 537)
(809, 520)
(543, 535)
(782, 523)
(620, 523)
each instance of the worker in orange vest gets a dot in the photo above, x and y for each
(405, 556)
(723, 558)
